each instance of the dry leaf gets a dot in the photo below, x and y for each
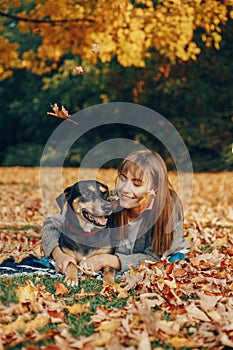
(195, 312)
(78, 308)
(78, 70)
(196, 297)
(101, 338)
(59, 112)
(95, 48)
(180, 343)
(61, 289)
(26, 293)
(109, 326)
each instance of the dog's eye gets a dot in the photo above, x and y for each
(105, 194)
(87, 193)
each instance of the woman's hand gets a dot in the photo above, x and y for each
(62, 259)
(100, 261)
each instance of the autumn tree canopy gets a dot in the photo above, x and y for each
(130, 30)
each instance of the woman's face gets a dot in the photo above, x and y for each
(131, 189)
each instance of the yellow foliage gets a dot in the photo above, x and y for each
(118, 27)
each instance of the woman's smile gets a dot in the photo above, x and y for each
(131, 190)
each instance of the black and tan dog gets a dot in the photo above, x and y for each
(84, 232)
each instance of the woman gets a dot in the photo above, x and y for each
(147, 224)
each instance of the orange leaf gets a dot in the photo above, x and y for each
(61, 289)
(78, 308)
(60, 113)
(56, 316)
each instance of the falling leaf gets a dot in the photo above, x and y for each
(95, 48)
(78, 70)
(60, 112)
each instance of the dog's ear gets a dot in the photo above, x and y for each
(63, 198)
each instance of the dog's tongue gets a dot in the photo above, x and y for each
(101, 220)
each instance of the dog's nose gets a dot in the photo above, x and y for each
(107, 207)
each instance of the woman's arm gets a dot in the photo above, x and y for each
(50, 242)
(179, 241)
(100, 261)
(51, 233)
(62, 259)
(134, 259)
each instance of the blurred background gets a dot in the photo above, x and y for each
(174, 57)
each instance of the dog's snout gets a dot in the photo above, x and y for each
(107, 207)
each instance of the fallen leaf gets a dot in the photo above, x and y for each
(78, 308)
(225, 340)
(26, 293)
(179, 342)
(110, 325)
(101, 338)
(61, 289)
(195, 312)
(56, 316)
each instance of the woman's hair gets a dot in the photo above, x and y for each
(159, 221)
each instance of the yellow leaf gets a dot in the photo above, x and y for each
(109, 326)
(20, 325)
(179, 343)
(78, 308)
(170, 284)
(38, 323)
(17, 325)
(26, 293)
(102, 339)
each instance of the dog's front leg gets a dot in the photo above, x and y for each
(71, 278)
(109, 275)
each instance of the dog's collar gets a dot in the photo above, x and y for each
(82, 234)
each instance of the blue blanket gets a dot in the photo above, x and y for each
(29, 264)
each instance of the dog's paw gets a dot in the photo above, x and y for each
(109, 276)
(71, 278)
(71, 282)
(108, 280)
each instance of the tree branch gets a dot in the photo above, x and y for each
(52, 21)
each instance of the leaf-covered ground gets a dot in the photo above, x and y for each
(187, 305)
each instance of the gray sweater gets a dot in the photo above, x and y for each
(129, 252)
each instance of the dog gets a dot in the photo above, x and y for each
(84, 232)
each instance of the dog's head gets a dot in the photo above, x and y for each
(89, 200)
